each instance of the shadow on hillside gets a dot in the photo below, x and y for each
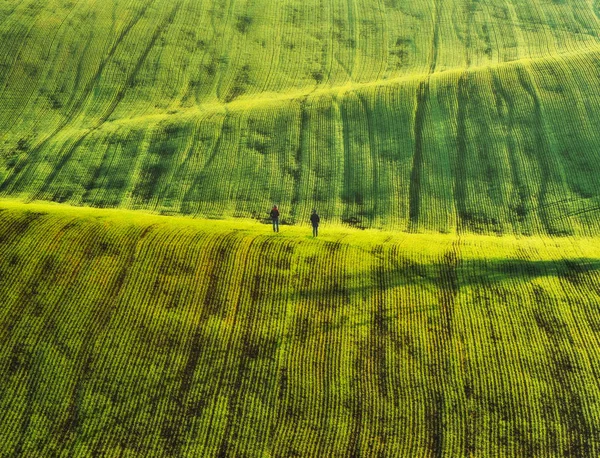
(339, 302)
(447, 277)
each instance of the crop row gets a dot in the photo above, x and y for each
(141, 335)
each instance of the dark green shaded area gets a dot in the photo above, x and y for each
(381, 115)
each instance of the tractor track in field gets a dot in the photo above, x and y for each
(460, 180)
(381, 334)
(113, 106)
(371, 123)
(433, 51)
(242, 364)
(297, 171)
(436, 407)
(79, 104)
(97, 174)
(249, 353)
(416, 174)
(205, 172)
(542, 149)
(521, 207)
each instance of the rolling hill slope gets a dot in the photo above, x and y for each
(437, 116)
(463, 136)
(133, 335)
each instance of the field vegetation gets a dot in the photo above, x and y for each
(442, 116)
(450, 305)
(160, 336)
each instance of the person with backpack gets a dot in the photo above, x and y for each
(275, 217)
(314, 220)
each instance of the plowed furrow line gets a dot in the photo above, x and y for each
(75, 109)
(66, 155)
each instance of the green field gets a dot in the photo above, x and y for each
(162, 336)
(450, 306)
(435, 116)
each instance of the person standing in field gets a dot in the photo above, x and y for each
(275, 217)
(314, 220)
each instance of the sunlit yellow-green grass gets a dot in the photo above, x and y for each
(136, 335)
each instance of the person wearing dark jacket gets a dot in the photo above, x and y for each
(314, 220)
(275, 217)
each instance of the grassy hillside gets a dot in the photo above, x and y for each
(463, 136)
(442, 116)
(129, 335)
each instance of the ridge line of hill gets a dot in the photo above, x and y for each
(267, 98)
(333, 231)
